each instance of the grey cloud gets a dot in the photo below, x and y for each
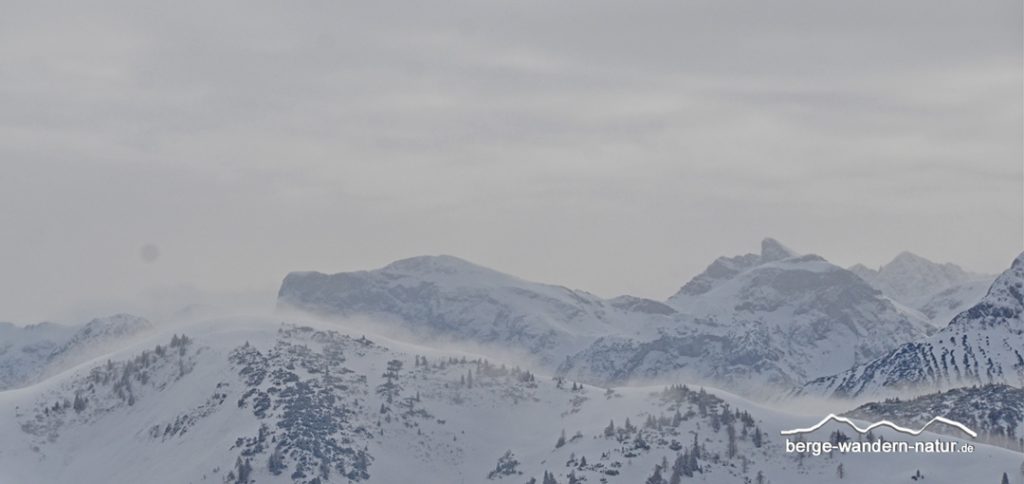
(612, 147)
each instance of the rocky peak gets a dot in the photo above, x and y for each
(772, 250)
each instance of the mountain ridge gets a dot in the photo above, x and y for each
(33, 352)
(938, 290)
(758, 329)
(983, 344)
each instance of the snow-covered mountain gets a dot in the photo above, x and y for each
(30, 353)
(757, 323)
(252, 400)
(982, 345)
(752, 323)
(940, 291)
(996, 412)
(444, 296)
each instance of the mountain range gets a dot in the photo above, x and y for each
(364, 384)
(982, 345)
(752, 323)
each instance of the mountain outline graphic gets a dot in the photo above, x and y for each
(881, 423)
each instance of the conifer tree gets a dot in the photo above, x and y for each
(656, 477)
(609, 431)
(561, 440)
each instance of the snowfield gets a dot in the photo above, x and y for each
(261, 400)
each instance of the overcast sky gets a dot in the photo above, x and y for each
(612, 147)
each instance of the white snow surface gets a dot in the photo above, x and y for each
(193, 416)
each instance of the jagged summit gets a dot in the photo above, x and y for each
(725, 268)
(772, 250)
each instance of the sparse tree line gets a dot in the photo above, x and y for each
(124, 377)
(658, 431)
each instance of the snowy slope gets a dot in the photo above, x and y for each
(757, 324)
(254, 400)
(984, 344)
(940, 291)
(30, 353)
